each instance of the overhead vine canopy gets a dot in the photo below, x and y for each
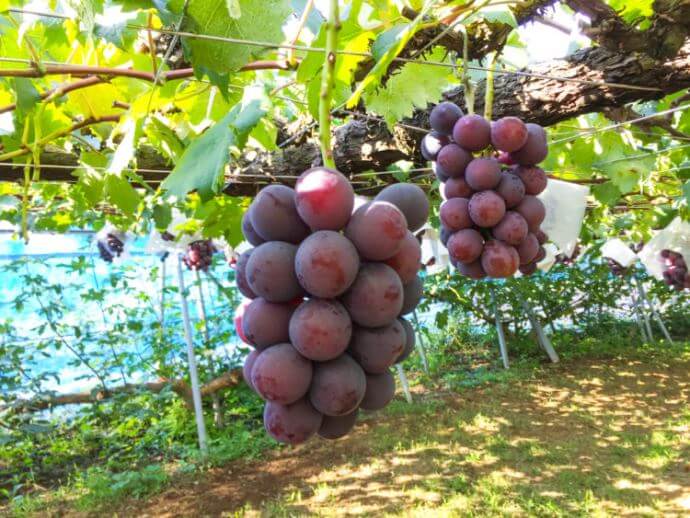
(124, 109)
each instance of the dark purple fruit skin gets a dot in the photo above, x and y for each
(499, 260)
(411, 200)
(455, 214)
(486, 208)
(292, 424)
(512, 229)
(248, 231)
(241, 274)
(338, 386)
(412, 294)
(444, 116)
(281, 374)
(273, 215)
(247, 367)
(266, 323)
(326, 264)
(472, 270)
(377, 349)
(457, 188)
(511, 189)
(270, 272)
(376, 296)
(380, 391)
(320, 329)
(453, 160)
(377, 229)
(483, 174)
(528, 249)
(466, 245)
(473, 132)
(432, 144)
(533, 178)
(536, 148)
(410, 339)
(336, 427)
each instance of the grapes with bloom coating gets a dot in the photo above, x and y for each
(535, 149)
(483, 174)
(238, 318)
(320, 329)
(466, 245)
(532, 209)
(444, 116)
(412, 294)
(675, 269)
(409, 340)
(440, 174)
(335, 427)
(380, 391)
(508, 134)
(291, 424)
(271, 272)
(266, 323)
(281, 374)
(338, 386)
(472, 132)
(376, 296)
(487, 208)
(326, 264)
(453, 160)
(512, 229)
(533, 178)
(249, 232)
(432, 144)
(528, 249)
(241, 274)
(376, 349)
(472, 270)
(324, 199)
(455, 214)
(499, 260)
(541, 236)
(411, 200)
(456, 188)
(407, 261)
(199, 255)
(511, 189)
(274, 216)
(248, 366)
(377, 230)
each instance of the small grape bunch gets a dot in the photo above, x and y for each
(675, 270)
(569, 261)
(616, 268)
(199, 255)
(110, 246)
(491, 217)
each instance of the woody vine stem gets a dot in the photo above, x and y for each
(328, 84)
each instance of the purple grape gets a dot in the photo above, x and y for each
(499, 260)
(541, 236)
(199, 255)
(380, 391)
(432, 144)
(445, 235)
(533, 178)
(412, 295)
(444, 116)
(249, 232)
(455, 214)
(335, 427)
(528, 249)
(326, 264)
(266, 323)
(324, 199)
(291, 424)
(466, 245)
(377, 229)
(409, 340)
(472, 132)
(511, 189)
(320, 329)
(271, 272)
(487, 208)
(411, 200)
(281, 374)
(536, 148)
(274, 215)
(376, 349)
(441, 175)
(528, 269)
(241, 274)
(512, 229)
(483, 174)
(533, 210)
(338, 386)
(376, 296)
(407, 261)
(453, 160)
(457, 188)
(472, 270)
(248, 366)
(508, 134)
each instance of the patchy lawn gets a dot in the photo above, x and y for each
(587, 437)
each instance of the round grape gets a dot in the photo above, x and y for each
(338, 386)
(533, 178)
(320, 329)
(412, 295)
(533, 210)
(528, 249)
(487, 208)
(483, 174)
(241, 274)
(511, 189)
(248, 230)
(411, 200)
(271, 272)
(432, 144)
(472, 132)
(376, 349)
(499, 260)
(453, 160)
(472, 270)
(508, 134)
(274, 215)
(407, 261)
(536, 148)
(326, 264)
(457, 188)
(248, 366)
(380, 391)
(266, 323)
(335, 427)
(444, 116)
(377, 229)
(324, 199)
(281, 374)
(376, 296)
(512, 229)
(291, 424)
(466, 245)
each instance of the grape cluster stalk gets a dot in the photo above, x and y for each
(327, 286)
(110, 247)
(675, 270)
(491, 217)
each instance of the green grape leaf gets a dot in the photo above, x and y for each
(414, 86)
(632, 10)
(27, 95)
(686, 192)
(164, 139)
(234, 8)
(162, 216)
(121, 194)
(86, 12)
(91, 182)
(606, 193)
(201, 167)
(260, 20)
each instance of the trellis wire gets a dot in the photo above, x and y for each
(304, 48)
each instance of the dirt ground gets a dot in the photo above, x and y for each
(587, 438)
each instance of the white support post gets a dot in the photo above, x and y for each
(541, 336)
(404, 383)
(163, 280)
(502, 345)
(193, 373)
(642, 305)
(653, 311)
(420, 345)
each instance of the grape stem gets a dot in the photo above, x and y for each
(328, 83)
(489, 94)
(466, 81)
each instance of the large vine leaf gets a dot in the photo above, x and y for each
(260, 20)
(415, 86)
(201, 167)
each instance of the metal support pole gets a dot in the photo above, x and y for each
(642, 303)
(541, 336)
(420, 345)
(503, 347)
(191, 357)
(404, 383)
(163, 280)
(653, 311)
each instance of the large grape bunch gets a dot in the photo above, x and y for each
(329, 283)
(675, 270)
(491, 216)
